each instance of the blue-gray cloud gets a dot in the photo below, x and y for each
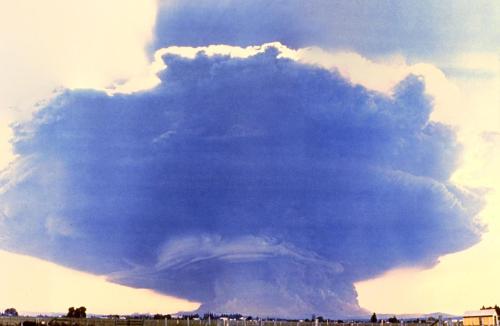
(256, 185)
(420, 29)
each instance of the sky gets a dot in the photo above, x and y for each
(273, 158)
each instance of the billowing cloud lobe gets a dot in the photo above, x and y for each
(258, 185)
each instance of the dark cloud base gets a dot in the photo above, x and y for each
(255, 185)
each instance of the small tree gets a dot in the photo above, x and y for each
(77, 313)
(393, 320)
(11, 312)
(71, 312)
(373, 318)
(81, 312)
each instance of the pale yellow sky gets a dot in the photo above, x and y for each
(465, 280)
(59, 43)
(35, 285)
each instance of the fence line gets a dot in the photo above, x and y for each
(47, 321)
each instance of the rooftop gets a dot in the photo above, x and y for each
(481, 313)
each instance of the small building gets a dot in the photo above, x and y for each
(486, 317)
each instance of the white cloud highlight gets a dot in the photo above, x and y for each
(381, 76)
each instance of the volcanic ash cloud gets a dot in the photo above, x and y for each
(257, 185)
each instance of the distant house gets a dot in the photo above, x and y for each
(486, 317)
